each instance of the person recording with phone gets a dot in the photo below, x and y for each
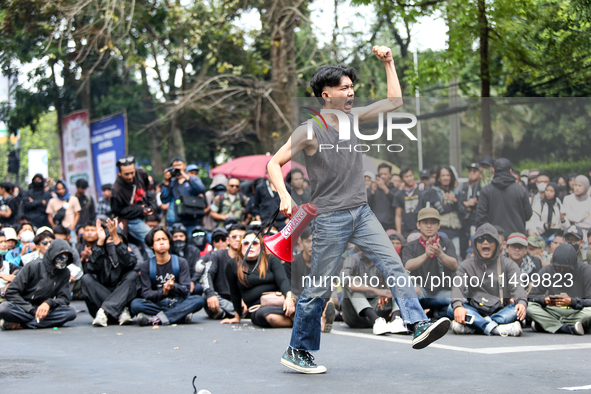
(185, 194)
(130, 201)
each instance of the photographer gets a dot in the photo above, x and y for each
(130, 200)
(184, 193)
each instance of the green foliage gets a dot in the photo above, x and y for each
(558, 168)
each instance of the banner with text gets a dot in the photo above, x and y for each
(108, 138)
(77, 160)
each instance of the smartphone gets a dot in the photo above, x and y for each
(469, 319)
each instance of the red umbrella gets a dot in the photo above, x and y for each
(252, 167)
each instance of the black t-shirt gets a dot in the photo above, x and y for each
(13, 204)
(432, 267)
(215, 274)
(163, 273)
(410, 209)
(301, 199)
(296, 270)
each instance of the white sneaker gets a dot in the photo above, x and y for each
(461, 329)
(510, 330)
(579, 329)
(101, 319)
(125, 317)
(380, 326)
(396, 326)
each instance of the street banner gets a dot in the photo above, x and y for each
(77, 153)
(108, 137)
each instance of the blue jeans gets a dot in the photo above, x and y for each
(139, 229)
(439, 302)
(331, 233)
(174, 310)
(484, 326)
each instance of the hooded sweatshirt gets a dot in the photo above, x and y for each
(127, 198)
(504, 203)
(577, 286)
(40, 281)
(478, 267)
(107, 268)
(35, 210)
(578, 208)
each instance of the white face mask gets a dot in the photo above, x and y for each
(542, 186)
(27, 236)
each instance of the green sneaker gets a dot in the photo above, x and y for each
(426, 332)
(301, 361)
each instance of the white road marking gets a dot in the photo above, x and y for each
(482, 350)
(580, 388)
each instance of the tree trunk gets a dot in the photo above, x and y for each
(154, 134)
(487, 135)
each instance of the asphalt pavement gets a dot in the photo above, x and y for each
(242, 358)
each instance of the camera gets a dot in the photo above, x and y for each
(174, 172)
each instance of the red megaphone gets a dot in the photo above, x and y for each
(281, 244)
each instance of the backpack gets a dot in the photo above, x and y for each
(240, 196)
(174, 259)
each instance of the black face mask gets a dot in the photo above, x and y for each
(61, 261)
(575, 245)
(110, 247)
(37, 184)
(179, 247)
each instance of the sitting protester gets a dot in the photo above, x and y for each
(364, 306)
(189, 252)
(13, 251)
(574, 236)
(491, 309)
(215, 283)
(430, 259)
(536, 247)
(529, 266)
(8, 270)
(89, 240)
(165, 284)
(39, 296)
(110, 283)
(251, 277)
(565, 305)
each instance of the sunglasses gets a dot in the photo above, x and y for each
(234, 237)
(255, 242)
(220, 239)
(45, 243)
(233, 185)
(126, 160)
(487, 238)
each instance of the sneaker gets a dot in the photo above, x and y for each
(396, 326)
(101, 319)
(301, 361)
(189, 318)
(380, 326)
(6, 325)
(461, 329)
(578, 329)
(329, 314)
(125, 317)
(426, 332)
(143, 319)
(510, 330)
(536, 327)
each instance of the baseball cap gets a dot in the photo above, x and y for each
(428, 213)
(192, 167)
(425, 174)
(574, 230)
(517, 238)
(533, 173)
(220, 231)
(43, 229)
(178, 228)
(10, 233)
(487, 160)
(536, 241)
(473, 165)
(370, 175)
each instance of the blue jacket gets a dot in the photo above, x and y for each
(173, 191)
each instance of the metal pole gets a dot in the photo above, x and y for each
(418, 104)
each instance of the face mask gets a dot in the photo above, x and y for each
(3, 252)
(27, 236)
(542, 186)
(37, 185)
(575, 245)
(61, 261)
(179, 247)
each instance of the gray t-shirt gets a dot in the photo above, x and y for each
(336, 175)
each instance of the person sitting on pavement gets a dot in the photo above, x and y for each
(13, 251)
(431, 258)
(165, 284)
(189, 252)
(39, 296)
(574, 235)
(536, 247)
(493, 309)
(249, 278)
(529, 266)
(110, 283)
(215, 282)
(364, 304)
(565, 305)
(8, 270)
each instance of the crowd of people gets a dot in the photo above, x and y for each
(158, 253)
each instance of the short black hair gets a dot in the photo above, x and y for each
(106, 186)
(42, 237)
(9, 187)
(237, 226)
(89, 223)
(177, 159)
(543, 174)
(330, 76)
(384, 165)
(19, 227)
(150, 236)
(59, 229)
(152, 218)
(405, 170)
(82, 184)
(306, 233)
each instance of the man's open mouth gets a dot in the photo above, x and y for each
(349, 103)
(486, 249)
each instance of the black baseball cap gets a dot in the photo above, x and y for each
(487, 160)
(425, 174)
(476, 166)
